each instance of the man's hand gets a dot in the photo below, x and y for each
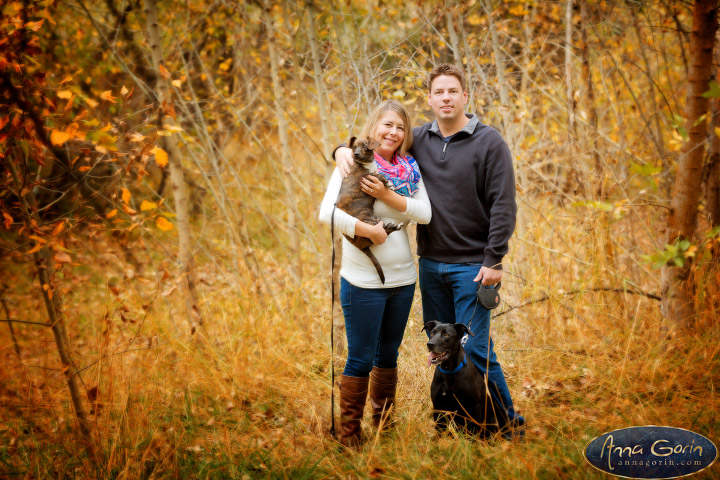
(489, 276)
(344, 160)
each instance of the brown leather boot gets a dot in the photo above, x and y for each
(383, 383)
(353, 393)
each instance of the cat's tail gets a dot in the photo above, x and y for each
(375, 262)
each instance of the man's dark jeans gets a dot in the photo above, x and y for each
(449, 296)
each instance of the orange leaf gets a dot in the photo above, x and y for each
(58, 138)
(163, 224)
(62, 257)
(161, 156)
(65, 94)
(72, 129)
(111, 213)
(8, 220)
(4, 121)
(107, 95)
(129, 210)
(145, 205)
(58, 228)
(84, 169)
(37, 239)
(34, 26)
(37, 247)
(163, 71)
(126, 195)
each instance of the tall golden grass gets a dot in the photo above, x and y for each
(249, 395)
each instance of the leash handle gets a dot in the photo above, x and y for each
(332, 324)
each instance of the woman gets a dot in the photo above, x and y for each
(376, 314)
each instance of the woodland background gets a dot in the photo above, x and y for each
(166, 284)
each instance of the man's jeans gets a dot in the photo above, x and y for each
(449, 296)
(375, 320)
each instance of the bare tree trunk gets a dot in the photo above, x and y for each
(713, 165)
(568, 69)
(186, 259)
(319, 85)
(52, 297)
(590, 98)
(457, 55)
(286, 175)
(505, 110)
(677, 292)
(16, 346)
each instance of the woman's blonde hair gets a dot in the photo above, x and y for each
(377, 114)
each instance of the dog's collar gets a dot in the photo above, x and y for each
(456, 369)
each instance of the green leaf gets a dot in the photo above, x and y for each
(714, 91)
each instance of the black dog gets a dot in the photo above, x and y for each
(354, 201)
(458, 389)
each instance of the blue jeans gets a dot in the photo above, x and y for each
(375, 320)
(449, 296)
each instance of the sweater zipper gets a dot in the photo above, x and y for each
(443, 152)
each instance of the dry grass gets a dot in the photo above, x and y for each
(250, 399)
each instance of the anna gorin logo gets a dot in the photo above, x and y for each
(651, 452)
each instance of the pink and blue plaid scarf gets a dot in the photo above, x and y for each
(402, 172)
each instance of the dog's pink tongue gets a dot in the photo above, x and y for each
(431, 357)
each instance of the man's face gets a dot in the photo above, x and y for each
(447, 98)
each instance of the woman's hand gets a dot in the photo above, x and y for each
(374, 187)
(376, 233)
(377, 189)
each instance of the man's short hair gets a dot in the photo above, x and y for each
(446, 69)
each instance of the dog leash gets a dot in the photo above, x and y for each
(332, 324)
(464, 340)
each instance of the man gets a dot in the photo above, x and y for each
(467, 170)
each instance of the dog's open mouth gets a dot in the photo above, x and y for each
(436, 358)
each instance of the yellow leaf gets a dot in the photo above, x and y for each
(111, 213)
(163, 224)
(161, 156)
(177, 83)
(91, 102)
(145, 205)
(124, 91)
(136, 137)
(717, 131)
(58, 138)
(65, 94)
(126, 195)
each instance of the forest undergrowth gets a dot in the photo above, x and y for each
(248, 395)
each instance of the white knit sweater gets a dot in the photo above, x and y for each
(394, 255)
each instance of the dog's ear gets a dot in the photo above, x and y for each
(372, 144)
(430, 325)
(462, 329)
(351, 143)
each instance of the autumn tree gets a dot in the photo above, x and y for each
(678, 291)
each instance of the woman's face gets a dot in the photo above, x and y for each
(390, 132)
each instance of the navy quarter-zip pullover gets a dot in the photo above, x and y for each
(471, 185)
